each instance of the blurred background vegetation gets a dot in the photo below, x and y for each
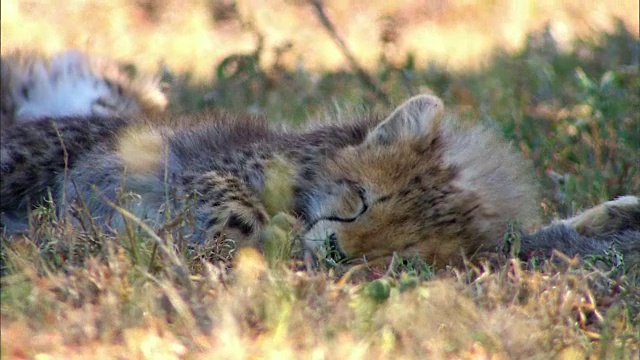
(557, 77)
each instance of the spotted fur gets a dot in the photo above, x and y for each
(414, 182)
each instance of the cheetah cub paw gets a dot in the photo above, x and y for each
(608, 218)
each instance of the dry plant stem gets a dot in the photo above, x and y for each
(94, 228)
(66, 161)
(175, 260)
(366, 79)
(178, 303)
(406, 81)
(87, 214)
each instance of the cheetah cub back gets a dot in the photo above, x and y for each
(421, 184)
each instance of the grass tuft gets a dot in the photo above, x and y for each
(72, 289)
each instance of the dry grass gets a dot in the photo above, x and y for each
(113, 308)
(72, 294)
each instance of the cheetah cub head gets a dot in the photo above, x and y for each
(418, 184)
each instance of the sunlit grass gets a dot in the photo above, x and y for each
(192, 35)
(569, 105)
(116, 308)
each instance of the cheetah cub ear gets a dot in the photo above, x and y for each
(418, 116)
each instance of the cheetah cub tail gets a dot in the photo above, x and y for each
(72, 83)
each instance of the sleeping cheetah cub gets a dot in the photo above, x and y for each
(413, 182)
(72, 83)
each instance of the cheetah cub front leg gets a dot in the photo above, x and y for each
(225, 206)
(610, 228)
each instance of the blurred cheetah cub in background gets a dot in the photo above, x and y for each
(72, 84)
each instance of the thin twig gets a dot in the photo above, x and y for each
(366, 79)
(66, 165)
(406, 81)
